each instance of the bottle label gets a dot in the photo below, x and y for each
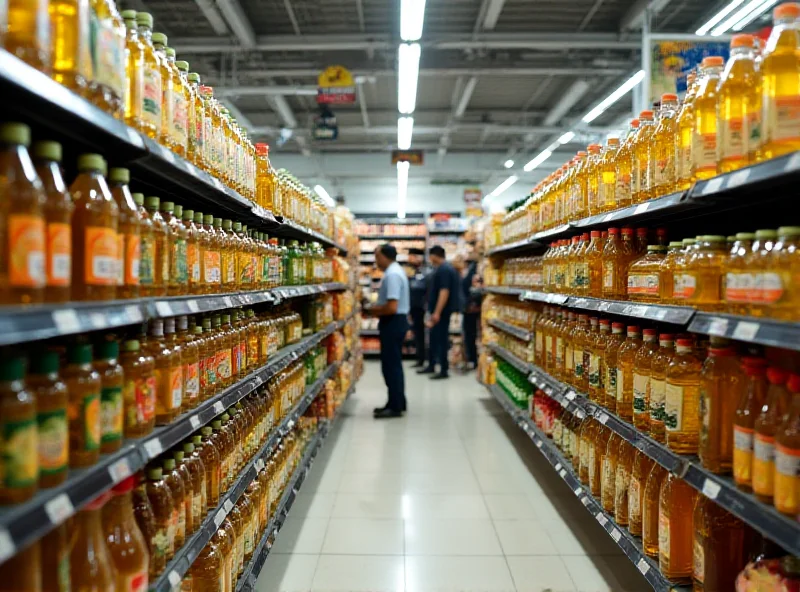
(101, 256)
(608, 276)
(584, 452)
(111, 414)
(133, 257)
(59, 254)
(53, 441)
(147, 262)
(179, 262)
(548, 344)
(657, 401)
(635, 501)
(26, 251)
(212, 261)
(167, 105)
(663, 536)
(770, 287)
(643, 283)
(673, 407)
(688, 285)
(738, 286)
(87, 413)
(621, 485)
(787, 478)
(193, 263)
(611, 382)
(753, 130)
(763, 464)
(224, 364)
(705, 152)
(569, 359)
(180, 117)
(120, 272)
(161, 540)
(20, 453)
(683, 160)
(198, 509)
(609, 471)
(620, 385)
(172, 528)
(108, 55)
(731, 138)
(230, 270)
(782, 118)
(594, 371)
(210, 365)
(577, 355)
(151, 98)
(135, 582)
(742, 454)
(664, 168)
(192, 381)
(641, 384)
(176, 386)
(180, 521)
(698, 559)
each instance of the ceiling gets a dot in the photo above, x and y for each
(496, 76)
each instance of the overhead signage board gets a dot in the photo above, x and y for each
(335, 86)
(412, 157)
(673, 60)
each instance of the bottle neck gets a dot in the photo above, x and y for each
(146, 33)
(122, 505)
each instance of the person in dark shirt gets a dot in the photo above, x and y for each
(418, 283)
(472, 313)
(443, 298)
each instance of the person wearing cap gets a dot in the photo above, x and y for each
(392, 308)
(418, 286)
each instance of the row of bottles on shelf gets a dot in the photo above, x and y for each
(118, 63)
(747, 273)
(732, 115)
(738, 410)
(66, 406)
(95, 240)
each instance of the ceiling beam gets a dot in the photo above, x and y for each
(244, 91)
(590, 15)
(212, 14)
(466, 96)
(567, 101)
(492, 14)
(237, 20)
(360, 11)
(362, 104)
(429, 130)
(290, 11)
(634, 18)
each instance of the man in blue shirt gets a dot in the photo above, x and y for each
(392, 308)
(443, 300)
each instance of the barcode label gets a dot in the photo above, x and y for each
(219, 407)
(163, 309)
(711, 489)
(745, 330)
(643, 566)
(194, 421)
(66, 321)
(120, 470)
(7, 548)
(601, 518)
(738, 178)
(59, 508)
(220, 516)
(616, 535)
(641, 208)
(153, 448)
(713, 186)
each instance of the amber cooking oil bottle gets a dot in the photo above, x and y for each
(69, 39)
(662, 148)
(134, 72)
(675, 529)
(608, 176)
(641, 148)
(704, 147)
(682, 399)
(151, 75)
(167, 88)
(684, 132)
(624, 164)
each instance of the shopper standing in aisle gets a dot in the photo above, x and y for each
(472, 311)
(418, 284)
(392, 308)
(443, 296)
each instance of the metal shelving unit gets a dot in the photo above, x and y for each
(511, 329)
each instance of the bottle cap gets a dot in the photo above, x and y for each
(786, 11)
(188, 448)
(262, 149)
(197, 439)
(613, 231)
(119, 175)
(79, 353)
(187, 215)
(107, 350)
(743, 236)
(46, 150)
(138, 199)
(646, 115)
(128, 15)
(794, 383)
(170, 52)
(789, 231)
(208, 220)
(168, 464)
(205, 430)
(766, 234)
(633, 329)
(91, 162)
(713, 238)
(178, 211)
(198, 217)
(684, 343)
(179, 456)
(237, 226)
(688, 242)
(152, 202)
(742, 40)
(159, 38)
(182, 65)
(193, 77)
(649, 332)
(227, 224)
(627, 231)
(777, 375)
(198, 330)
(124, 486)
(154, 473)
(131, 345)
(666, 337)
(595, 234)
(12, 368)
(44, 362)
(669, 97)
(144, 19)
(216, 424)
(167, 206)
(712, 62)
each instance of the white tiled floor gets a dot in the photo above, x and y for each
(450, 498)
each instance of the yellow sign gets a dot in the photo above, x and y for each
(336, 86)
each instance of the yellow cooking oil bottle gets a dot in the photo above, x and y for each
(107, 48)
(69, 44)
(26, 32)
(739, 107)
(183, 106)
(134, 72)
(641, 149)
(167, 87)
(684, 137)
(780, 78)
(151, 73)
(704, 148)
(624, 164)
(196, 121)
(592, 172)
(682, 399)
(608, 176)
(662, 148)
(175, 131)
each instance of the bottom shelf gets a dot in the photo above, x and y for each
(630, 544)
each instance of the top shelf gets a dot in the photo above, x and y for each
(421, 237)
(55, 112)
(771, 179)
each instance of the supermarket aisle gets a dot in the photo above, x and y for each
(452, 497)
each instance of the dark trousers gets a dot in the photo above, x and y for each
(440, 343)
(392, 334)
(418, 326)
(469, 326)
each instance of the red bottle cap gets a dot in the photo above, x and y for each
(627, 231)
(633, 328)
(595, 234)
(613, 231)
(99, 501)
(641, 232)
(666, 337)
(685, 342)
(618, 325)
(777, 375)
(794, 383)
(647, 331)
(585, 236)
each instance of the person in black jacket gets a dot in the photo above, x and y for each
(472, 313)
(443, 298)
(418, 284)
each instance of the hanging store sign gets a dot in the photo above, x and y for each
(325, 127)
(473, 196)
(412, 157)
(336, 86)
(673, 60)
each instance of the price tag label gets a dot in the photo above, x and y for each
(194, 421)
(66, 321)
(711, 489)
(220, 516)
(192, 304)
(119, 470)
(793, 163)
(604, 306)
(608, 217)
(163, 308)
(169, 156)
(97, 320)
(718, 327)
(639, 311)
(643, 566)
(713, 185)
(538, 443)
(153, 448)
(616, 535)
(661, 314)
(602, 418)
(7, 548)
(571, 395)
(738, 178)
(228, 505)
(745, 330)
(134, 314)
(641, 208)
(228, 302)
(580, 413)
(218, 407)
(578, 491)
(174, 578)
(259, 465)
(558, 466)
(59, 509)
(601, 518)
(585, 500)
(133, 137)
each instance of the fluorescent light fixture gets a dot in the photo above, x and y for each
(503, 186)
(566, 138)
(729, 8)
(615, 96)
(405, 127)
(320, 190)
(407, 76)
(739, 15)
(757, 12)
(508, 164)
(402, 188)
(412, 15)
(539, 159)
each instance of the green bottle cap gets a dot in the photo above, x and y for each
(15, 133)
(46, 150)
(128, 15)
(167, 206)
(208, 220)
(789, 231)
(131, 345)
(197, 439)
(188, 215)
(144, 19)
(152, 202)
(244, 228)
(216, 424)
(154, 474)
(237, 226)
(182, 65)
(159, 39)
(744, 236)
(107, 350)
(44, 362)
(12, 368)
(225, 417)
(766, 234)
(198, 217)
(217, 222)
(79, 353)
(138, 199)
(198, 330)
(178, 454)
(206, 324)
(227, 224)
(688, 242)
(193, 77)
(250, 313)
(713, 238)
(119, 175)
(188, 447)
(226, 318)
(170, 52)
(91, 162)
(216, 321)
(169, 464)
(205, 430)
(178, 211)
(104, 168)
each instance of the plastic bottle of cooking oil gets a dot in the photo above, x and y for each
(642, 190)
(27, 32)
(642, 363)
(624, 164)
(167, 88)
(704, 147)
(658, 385)
(650, 513)
(780, 77)
(134, 72)
(757, 262)
(780, 292)
(196, 143)
(614, 265)
(151, 74)
(675, 532)
(766, 427)
(107, 48)
(593, 179)
(738, 277)
(666, 272)
(684, 169)
(625, 360)
(739, 107)
(679, 272)
(662, 147)
(611, 364)
(644, 277)
(183, 107)
(682, 403)
(702, 280)
(608, 176)
(69, 44)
